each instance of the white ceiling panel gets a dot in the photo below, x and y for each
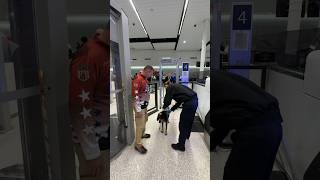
(198, 11)
(160, 17)
(141, 45)
(135, 31)
(164, 46)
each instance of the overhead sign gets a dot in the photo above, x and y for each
(168, 61)
(185, 66)
(241, 36)
(185, 73)
(242, 17)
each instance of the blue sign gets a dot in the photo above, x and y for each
(242, 16)
(185, 67)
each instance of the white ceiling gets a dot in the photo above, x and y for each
(164, 46)
(198, 11)
(141, 46)
(135, 31)
(162, 17)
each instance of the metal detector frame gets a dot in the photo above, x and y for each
(166, 62)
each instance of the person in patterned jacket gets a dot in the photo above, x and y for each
(89, 94)
(141, 96)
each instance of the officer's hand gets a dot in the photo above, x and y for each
(96, 167)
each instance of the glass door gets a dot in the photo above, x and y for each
(23, 153)
(35, 136)
(117, 114)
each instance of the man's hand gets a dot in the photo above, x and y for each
(96, 167)
(139, 114)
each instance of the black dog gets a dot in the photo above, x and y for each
(163, 117)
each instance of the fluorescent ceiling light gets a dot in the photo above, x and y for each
(183, 14)
(135, 10)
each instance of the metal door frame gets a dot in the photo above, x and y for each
(124, 68)
(52, 33)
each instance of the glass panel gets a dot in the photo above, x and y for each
(16, 117)
(11, 156)
(117, 119)
(11, 161)
(18, 70)
(17, 64)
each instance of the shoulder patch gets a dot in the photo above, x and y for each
(83, 72)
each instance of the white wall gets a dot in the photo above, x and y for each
(156, 56)
(203, 93)
(301, 118)
(10, 140)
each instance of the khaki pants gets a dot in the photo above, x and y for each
(84, 170)
(140, 124)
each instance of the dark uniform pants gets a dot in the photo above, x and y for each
(255, 148)
(186, 119)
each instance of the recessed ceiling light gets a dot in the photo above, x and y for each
(183, 15)
(184, 42)
(135, 10)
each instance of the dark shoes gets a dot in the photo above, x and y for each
(146, 136)
(141, 149)
(178, 147)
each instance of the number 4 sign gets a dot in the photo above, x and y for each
(242, 17)
(242, 14)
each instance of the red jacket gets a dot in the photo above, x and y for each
(89, 94)
(140, 88)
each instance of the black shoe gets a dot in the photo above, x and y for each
(141, 149)
(178, 146)
(146, 136)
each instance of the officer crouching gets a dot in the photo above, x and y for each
(186, 97)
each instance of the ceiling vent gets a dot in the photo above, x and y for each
(193, 58)
(133, 59)
(147, 59)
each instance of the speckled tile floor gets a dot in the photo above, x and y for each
(162, 162)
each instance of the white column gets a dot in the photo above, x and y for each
(4, 115)
(205, 39)
(294, 21)
(215, 33)
(293, 26)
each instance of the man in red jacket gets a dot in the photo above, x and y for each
(141, 96)
(89, 87)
